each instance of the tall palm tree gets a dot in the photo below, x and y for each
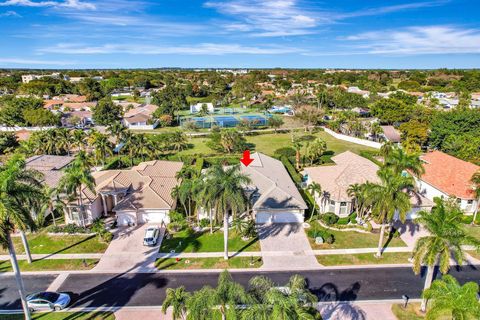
(453, 300)
(386, 149)
(398, 161)
(354, 191)
(228, 194)
(102, 146)
(79, 138)
(476, 189)
(388, 199)
(445, 239)
(18, 186)
(177, 299)
(76, 176)
(315, 189)
(117, 129)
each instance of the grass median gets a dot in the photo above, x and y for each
(208, 263)
(364, 259)
(51, 265)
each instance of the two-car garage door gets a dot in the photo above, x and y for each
(131, 217)
(287, 216)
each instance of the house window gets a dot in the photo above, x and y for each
(470, 201)
(331, 207)
(343, 208)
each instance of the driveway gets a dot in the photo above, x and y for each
(285, 246)
(126, 252)
(410, 232)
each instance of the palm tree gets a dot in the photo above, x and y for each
(178, 141)
(200, 305)
(52, 203)
(117, 129)
(398, 161)
(102, 146)
(228, 295)
(19, 186)
(78, 138)
(452, 299)
(476, 187)
(227, 195)
(354, 191)
(388, 199)
(375, 130)
(386, 149)
(76, 176)
(445, 239)
(315, 189)
(177, 299)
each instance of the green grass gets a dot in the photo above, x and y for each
(50, 265)
(205, 242)
(349, 239)
(412, 312)
(474, 231)
(363, 258)
(63, 316)
(268, 143)
(208, 263)
(42, 243)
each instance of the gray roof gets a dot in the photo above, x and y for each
(391, 133)
(274, 189)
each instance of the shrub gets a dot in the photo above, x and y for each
(467, 219)
(69, 228)
(343, 221)
(175, 226)
(204, 223)
(327, 236)
(98, 226)
(106, 236)
(249, 231)
(176, 217)
(285, 151)
(330, 218)
(353, 218)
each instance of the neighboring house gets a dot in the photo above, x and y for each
(194, 108)
(446, 176)
(139, 195)
(357, 90)
(50, 166)
(273, 196)
(350, 169)
(140, 117)
(448, 103)
(391, 134)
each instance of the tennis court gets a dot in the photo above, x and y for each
(223, 121)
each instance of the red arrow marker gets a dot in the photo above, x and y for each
(246, 160)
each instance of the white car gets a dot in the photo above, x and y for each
(48, 301)
(151, 236)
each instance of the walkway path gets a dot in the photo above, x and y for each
(373, 310)
(289, 242)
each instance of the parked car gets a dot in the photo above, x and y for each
(151, 236)
(48, 300)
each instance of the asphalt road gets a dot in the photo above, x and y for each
(144, 289)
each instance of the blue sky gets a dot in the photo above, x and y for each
(239, 33)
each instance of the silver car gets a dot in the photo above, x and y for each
(48, 301)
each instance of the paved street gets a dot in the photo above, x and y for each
(148, 289)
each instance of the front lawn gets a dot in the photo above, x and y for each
(349, 239)
(185, 241)
(43, 243)
(412, 312)
(208, 263)
(363, 259)
(62, 315)
(51, 265)
(474, 231)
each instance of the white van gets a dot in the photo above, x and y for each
(151, 236)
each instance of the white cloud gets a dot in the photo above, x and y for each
(20, 61)
(200, 49)
(71, 4)
(419, 40)
(274, 18)
(10, 14)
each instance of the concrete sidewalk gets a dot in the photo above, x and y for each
(59, 256)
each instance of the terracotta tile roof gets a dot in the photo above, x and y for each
(449, 174)
(50, 166)
(147, 109)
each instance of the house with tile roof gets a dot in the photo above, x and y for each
(272, 194)
(141, 117)
(138, 195)
(350, 169)
(446, 176)
(50, 166)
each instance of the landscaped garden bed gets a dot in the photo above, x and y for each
(208, 263)
(62, 316)
(347, 239)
